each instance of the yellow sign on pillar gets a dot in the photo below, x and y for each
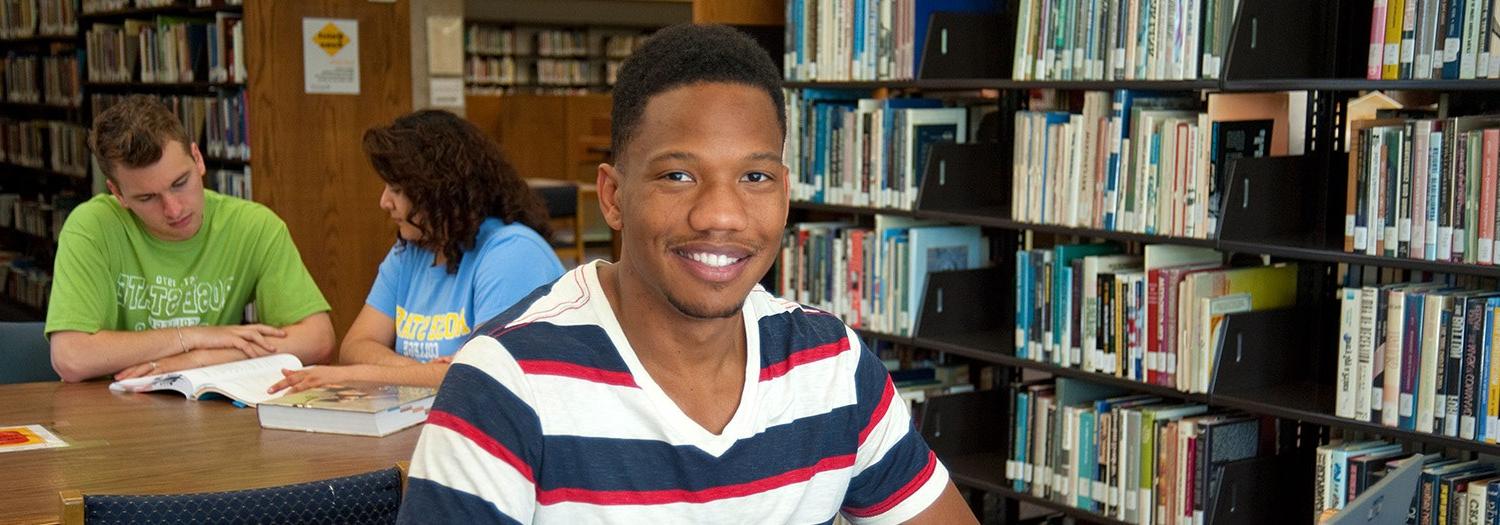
(330, 56)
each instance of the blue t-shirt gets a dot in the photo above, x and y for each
(435, 310)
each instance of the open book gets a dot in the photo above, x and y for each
(244, 381)
(363, 411)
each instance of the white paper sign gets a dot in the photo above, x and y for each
(330, 55)
(447, 92)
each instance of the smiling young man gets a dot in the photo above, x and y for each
(155, 276)
(668, 387)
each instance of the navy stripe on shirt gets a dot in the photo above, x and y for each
(441, 504)
(477, 406)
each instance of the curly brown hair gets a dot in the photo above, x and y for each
(455, 177)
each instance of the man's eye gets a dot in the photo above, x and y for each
(757, 176)
(678, 176)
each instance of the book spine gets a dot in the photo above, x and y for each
(1356, 312)
(1468, 394)
(1408, 39)
(1377, 41)
(1391, 63)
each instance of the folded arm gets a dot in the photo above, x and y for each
(79, 356)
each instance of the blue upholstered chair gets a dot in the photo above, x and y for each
(370, 498)
(24, 354)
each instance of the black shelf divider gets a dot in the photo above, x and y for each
(39, 39)
(977, 180)
(10, 169)
(965, 45)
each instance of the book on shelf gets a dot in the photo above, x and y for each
(168, 49)
(838, 40)
(873, 278)
(1433, 39)
(1131, 457)
(32, 18)
(1113, 40)
(1417, 356)
(1423, 188)
(53, 145)
(243, 381)
(865, 152)
(217, 123)
(1154, 319)
(361, 410)
(1143, 162)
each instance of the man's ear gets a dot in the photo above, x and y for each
(198, 160)
(607, 180)
(115, 190)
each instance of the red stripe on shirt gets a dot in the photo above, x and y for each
(565, 369)
(481, 439)
(802, 357)
(880, 410)
(662, 497)
(901, 494)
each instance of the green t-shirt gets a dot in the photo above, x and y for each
(111, 274)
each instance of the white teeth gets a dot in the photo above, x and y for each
(714, 260)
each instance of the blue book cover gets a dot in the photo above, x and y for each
(888, 124)
(1087, 459)
(1024, 282)
(1452, 36)
(1410, 359)
(1022, 433)
(937, 249)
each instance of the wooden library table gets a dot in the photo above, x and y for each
(162, 443)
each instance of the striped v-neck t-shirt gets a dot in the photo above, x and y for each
(547, 416)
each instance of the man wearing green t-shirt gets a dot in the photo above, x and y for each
(154, 277)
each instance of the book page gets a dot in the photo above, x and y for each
(192, 382)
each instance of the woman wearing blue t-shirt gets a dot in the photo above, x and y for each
(470, 246)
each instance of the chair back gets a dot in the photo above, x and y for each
(369, 498)
(25, 353)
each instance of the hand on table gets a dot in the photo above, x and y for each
(313, 377)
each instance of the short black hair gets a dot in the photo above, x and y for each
(688, 54)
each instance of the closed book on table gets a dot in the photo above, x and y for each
(362, 411)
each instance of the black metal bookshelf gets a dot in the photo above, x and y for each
(1269, 363)
(39, 39)
(978, 471)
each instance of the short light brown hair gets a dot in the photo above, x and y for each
(132, 133)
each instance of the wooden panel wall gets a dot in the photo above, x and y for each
(306, 156)
(740, 12)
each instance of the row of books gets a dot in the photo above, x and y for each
(1423, 188)
(873, 278)
(168, 49)
(38, 217)
(544, 71)
(26, 282)
(1134, 458)
(856, 151)
(218, 123)
(506, 41)
(104, 6)
(1121, 39)
(832, 40)
(54, 80)
(1152, 318)
(1433, 39)
(1141, 161)
(232, 182)
(1417, 356)
(29, 18)
(1449, 491)
(55, 145)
